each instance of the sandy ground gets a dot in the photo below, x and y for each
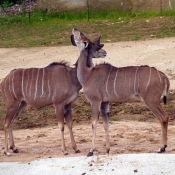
(125, 137)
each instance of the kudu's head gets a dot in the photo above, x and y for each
(82, 42)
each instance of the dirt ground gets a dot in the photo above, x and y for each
(133, 129)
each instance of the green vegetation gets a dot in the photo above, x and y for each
(47, 28)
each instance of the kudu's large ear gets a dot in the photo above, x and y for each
(72, 40)
(97, 44)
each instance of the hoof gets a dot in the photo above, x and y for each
(78, 151)
(107, 152)
(6, 154)
(15, 151)
(161, 150)
(65, 154)
(90, 154)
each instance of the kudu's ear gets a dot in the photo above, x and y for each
(73, 40)
(97, 40)
(97, 44)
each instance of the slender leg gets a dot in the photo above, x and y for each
(105, 115)
(95, 117)
(163, 118)
(11, 140)
(60, 116)
(164, 124)
(12, 113)
(68, 118)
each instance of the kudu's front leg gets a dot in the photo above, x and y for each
(68, 118)
(95, 117)
(60, 116)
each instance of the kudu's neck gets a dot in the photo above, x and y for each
(73, 74)
(84, 64)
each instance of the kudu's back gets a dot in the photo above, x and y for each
(41, 86)
(127, 83)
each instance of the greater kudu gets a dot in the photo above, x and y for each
(55, 84)
(105, 83)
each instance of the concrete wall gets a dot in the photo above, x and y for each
(126, 5)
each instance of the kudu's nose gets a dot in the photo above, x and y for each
(74, 29)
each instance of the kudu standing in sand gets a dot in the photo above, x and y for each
(55, 84)
(105, 83)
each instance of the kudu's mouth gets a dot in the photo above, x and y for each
(73, 40)
(78, 37)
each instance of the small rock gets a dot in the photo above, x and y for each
(135, 171)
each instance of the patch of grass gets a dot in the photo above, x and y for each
(54, 29)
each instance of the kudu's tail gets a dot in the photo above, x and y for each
(166, 89)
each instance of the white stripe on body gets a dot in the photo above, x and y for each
(165, 91)
(27, 82)
(107, 81)
(13, 84)
(48, 84)
(148, 79)
(159, 76)
(31, 83)
(43, 83)
(115, 82)
(22, 83)
(36, 85)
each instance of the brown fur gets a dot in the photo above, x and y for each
(55, 84)
(105, 83)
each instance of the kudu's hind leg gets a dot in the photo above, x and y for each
(105, 115)
(163, 118)
(68, 118)
(12, 113)
(95, 117)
